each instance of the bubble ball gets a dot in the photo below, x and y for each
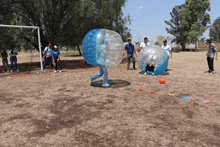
(103, 47)
(154, 54)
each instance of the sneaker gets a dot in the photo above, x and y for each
(90, 80)
(41, 70)
(106, 85)
(55, 71)
(152, 73)
(128, 69)
(211, 73)
(11, 70)
(17, 70)
(207, 71)
(3, 71)
(60, 70)
(145, 73)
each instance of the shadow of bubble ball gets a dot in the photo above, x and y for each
(153, 54)
(103, 47)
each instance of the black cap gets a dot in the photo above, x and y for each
(164, 40)
(145, 38)
(208, 40)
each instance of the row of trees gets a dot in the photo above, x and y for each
(64, 22)
(190, 20)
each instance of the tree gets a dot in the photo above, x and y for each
(195, 19)
(64, 22)
(202, 39)
(175, 26)
(214, 32)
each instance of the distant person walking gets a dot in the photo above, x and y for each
(47, 54)
(13, 59)
(144, 44)
(4, 56)
(167, 48)
(210, 56)
(56, 58)
(129, 48)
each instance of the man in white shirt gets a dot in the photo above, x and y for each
(167, 48)
(144, 44)
(47, 54)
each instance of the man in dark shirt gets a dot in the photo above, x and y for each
(4, 56)
(130, 53)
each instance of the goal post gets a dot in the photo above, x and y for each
(32, 27)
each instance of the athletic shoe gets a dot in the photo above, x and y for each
(41, 70)
(90, 80)
(106, 85)
(152, 73)
(11, 70)
(207, 71)
(145, 73)
(55, 71)
(60, 71)
(128, 69)
(17, 70)
(211, 73)
(3, 71)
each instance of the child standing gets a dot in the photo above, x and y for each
(4, 56)
(13, 58)
(56, 58)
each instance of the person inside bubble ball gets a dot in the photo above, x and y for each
(101, 58)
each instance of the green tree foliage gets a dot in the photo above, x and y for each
(175, 26)
(195, 19)
(214, 32)
(63, 22)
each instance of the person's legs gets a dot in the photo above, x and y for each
(129, 58)
(168, 62)
(211, 64)
(11, 60)
(45, 62)
(99, 74)
(105, 75)
(51, 62)
(56, 63)
(6, 61)
(133, 59)
(208, 60)
(3, 62)
(15, 60)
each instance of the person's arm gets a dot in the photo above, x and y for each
(140, 48)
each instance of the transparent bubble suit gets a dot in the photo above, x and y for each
(153, 54)
(103, 47)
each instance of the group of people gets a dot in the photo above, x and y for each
(13, 59)
(130, 50)
(51, 54)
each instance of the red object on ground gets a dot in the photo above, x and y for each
(162, 81)
(28, 74)
(152, 92)
(48, 73)
(87, 81)
(66, 76)
(141, 89)
(80, 78)
(44, 73)
(20, 75)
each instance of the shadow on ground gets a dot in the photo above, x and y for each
(114, 84)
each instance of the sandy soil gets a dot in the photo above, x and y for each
(52, 110)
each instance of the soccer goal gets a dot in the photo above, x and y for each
(32, 27)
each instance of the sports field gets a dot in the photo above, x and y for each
(64, 110)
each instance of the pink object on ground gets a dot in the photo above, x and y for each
(205, 101)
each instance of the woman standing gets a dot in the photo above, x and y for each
(13, 52)
(4, 56)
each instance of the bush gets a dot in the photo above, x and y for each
(158, 43)
(176, 49)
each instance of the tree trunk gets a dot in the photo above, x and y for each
(79, 51)
(183, 46)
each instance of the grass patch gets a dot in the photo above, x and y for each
(66, 54)
(206, 47)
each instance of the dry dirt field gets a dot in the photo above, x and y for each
(63, 110)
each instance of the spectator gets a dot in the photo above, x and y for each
(13, 52)
(4, 56)
(130, 53)
(47, 54)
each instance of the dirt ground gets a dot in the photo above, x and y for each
(63, 110)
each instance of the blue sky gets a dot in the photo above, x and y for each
(148, 16)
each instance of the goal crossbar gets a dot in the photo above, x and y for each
(32, 27)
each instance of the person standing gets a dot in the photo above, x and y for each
(210, 56)
(130, 53)
(56, 58)
(13, 52)
(144, 44)
(101, 57)
(4, 56)
(167, 48)
(47, 54)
